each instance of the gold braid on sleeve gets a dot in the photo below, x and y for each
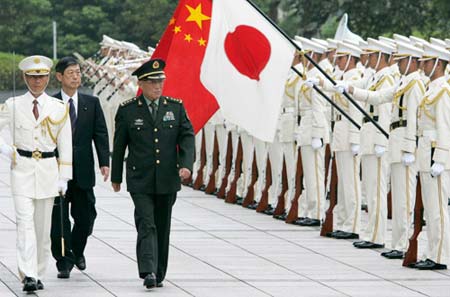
(48, 121)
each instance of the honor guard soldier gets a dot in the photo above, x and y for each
(160, 141)
(433, 157)
(39, 126)
(405, 97)
(346, 146)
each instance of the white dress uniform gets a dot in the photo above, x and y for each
(405, 98)
(209, 134)
(222, 141)
(375, 170)
(312, 108)
(434, 147)
(34, 180)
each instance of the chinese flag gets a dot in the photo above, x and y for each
(183, 47)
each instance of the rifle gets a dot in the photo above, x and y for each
(264, 201)
(279, 209)
(229, 159)
(250, 197)
(327, 225)
(211, 186)
(292, 215)
(411, 254)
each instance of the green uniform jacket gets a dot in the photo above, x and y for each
(157, 150)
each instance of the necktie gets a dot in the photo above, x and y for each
(35, 109)
(72, 114)
(154, 110)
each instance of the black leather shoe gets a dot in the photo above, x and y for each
(429, 265)
(393, 254)
(281, 217)
(355, 243)
(333, 234)
(299, 221)
(239, 201)
(254, 205)
(269, 210)
(150, 281)
(29, 284)
(80, 262)
(346, 235)
(63, 274)
(40, 285)
(159, 285)
(310, 223)
(202, 188)
(369, 245)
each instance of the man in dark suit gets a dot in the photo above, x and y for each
(160, 141)
(88, 125)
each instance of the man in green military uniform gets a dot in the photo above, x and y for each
(160, 140)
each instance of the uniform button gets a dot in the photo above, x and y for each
(139, 128)
(157, 151)
(170, 126)
(134, 168)
(156, 140)
(156, 130)
(157, 162)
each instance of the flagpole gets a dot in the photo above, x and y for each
(330, 101)
(319, 68)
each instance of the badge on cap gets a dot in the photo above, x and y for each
(37, 60)
(155, 65)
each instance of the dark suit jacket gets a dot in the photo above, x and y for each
(156, 149)
(91, 126)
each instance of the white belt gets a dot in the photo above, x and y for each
(288, 110)
(432, 134)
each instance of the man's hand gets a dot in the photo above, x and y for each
(408, 159)
(379, 150)
(436, 169)
(62, 186)
(116, 187)
(311, 82)
(316, 143)
(355, 148)
(105, 172)
(184, 173)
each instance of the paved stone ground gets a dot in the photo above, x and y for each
(217, 249)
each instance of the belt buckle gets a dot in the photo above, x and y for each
(36, 154)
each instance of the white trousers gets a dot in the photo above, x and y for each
(262, 152)
(209, 149)
(348, 208)
(403, 190)
(435, 193)
(375, 174)
(198, 154)
(34, 219)
(248, 149)
(222, 140)
(314, 174)
(235, 144)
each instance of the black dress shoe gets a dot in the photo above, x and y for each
(346, 235)
(80, 262)
(393, 254)
(299, 221)
(429, 265)
(159, 285)
(63, 274)
(29, 284)
(358, 242)
(269, 210)
(369, 245)
(254, 205)
(333, 234)
(40, 285)
(202, 188)
(150, 281)
(281, 217)
(310, 223)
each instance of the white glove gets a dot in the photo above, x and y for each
(379, 150)
(355, 149)
(62, 186)
(408, 159)
(316, 143)
(436, 169)
(310, 82)
(341, 87)
(7, 150)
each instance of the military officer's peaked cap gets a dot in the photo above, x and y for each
(346, 49)
(36, 65)
(405, 50)
(153, 69)
(435, 52)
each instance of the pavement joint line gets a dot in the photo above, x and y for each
(306, 248)
(12, 273)
(98, 283)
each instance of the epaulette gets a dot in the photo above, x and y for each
(127, 102)
(173, 99)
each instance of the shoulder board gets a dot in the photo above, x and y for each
(127, 102)
(173, 100)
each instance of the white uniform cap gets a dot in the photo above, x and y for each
(320, 41)
(353, 42)
(298, 43)
(435, 52)
(309, 45)
(345, 49)
(447, 42)
(375, 46)
(332, 43)
(363, 45)
(405, 50)
(416, 41)
(36, 65)
(387, 40)
(438, 42)
(107, 41)
(402, 38)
